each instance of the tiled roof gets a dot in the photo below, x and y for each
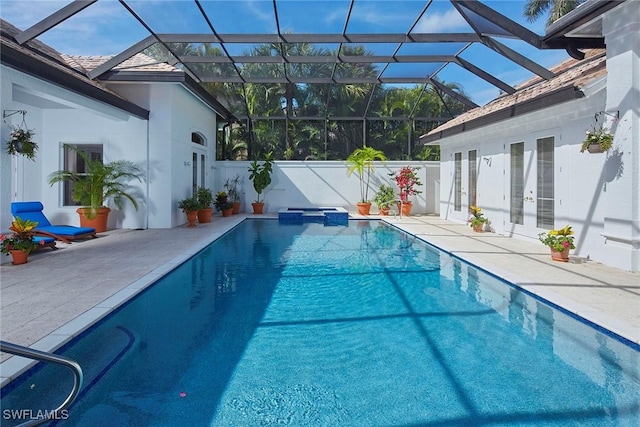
(47, 55)
(569, 73)
(138, 62)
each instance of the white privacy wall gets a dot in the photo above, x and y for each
(318, 183)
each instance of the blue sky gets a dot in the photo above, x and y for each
(105, 28)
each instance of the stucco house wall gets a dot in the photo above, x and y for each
(175, 113)
(60, 116)
(597, 194)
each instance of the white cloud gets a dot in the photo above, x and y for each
(441, 22)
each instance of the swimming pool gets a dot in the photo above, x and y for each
(303, 324)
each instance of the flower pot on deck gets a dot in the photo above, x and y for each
(19, 257)
(94, 218)
(258, 207)
(364, 208)
(562, 256)
(204, 215)
(405, 208)
(192, 216)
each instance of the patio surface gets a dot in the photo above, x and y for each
(59, 293)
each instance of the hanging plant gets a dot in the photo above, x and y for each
(21, 143)
(597, 140)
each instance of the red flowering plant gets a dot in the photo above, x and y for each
(21, 239)
(407, 179)
(558, 240)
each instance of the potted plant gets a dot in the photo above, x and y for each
(190, 207)
(260, 176)
(361, 161)
(559, 241)
(407, 179)
(19, 244)
(223, 204)
(232, 185)
(597, 140)
(21, 142)
(477, 220)
(98, 183)
(204, 196)
(384, 199)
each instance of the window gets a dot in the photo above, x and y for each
(197, 138)
(74, 163)
(457, 179)
(194, 180)
(545, 202)
(517, 184)
(473, 177)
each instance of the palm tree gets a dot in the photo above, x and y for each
(534, 9)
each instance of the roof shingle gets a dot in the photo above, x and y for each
(569, 73)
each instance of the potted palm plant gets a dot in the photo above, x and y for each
(260, 176)
(361, 161)
(205, 204)
(97, 184)
(384, 199)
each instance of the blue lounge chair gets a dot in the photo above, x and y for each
(65, 233)
(45, 242)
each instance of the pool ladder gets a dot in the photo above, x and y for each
(30, 353)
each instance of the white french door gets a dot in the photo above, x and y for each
(198, 169)
(529, 186)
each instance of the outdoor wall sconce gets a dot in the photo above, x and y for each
(487, 160)
(187, 163)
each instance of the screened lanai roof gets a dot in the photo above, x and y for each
(466, 50)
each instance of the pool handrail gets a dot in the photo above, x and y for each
(30, 353)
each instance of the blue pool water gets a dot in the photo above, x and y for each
(358, 325)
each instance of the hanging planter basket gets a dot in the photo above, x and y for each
(595, 149)
(21, 143)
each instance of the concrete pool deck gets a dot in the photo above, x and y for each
(47, 302)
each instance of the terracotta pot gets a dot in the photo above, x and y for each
(19, 257)
(236, 208)
(478, 228)
(99, 220)
(191, 218)
(227, 212)
(560, 256)
(257, 208)
(364, 208)
(384, 211)
(204, 215)
(405, 209)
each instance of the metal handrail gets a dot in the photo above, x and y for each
(30, 353)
